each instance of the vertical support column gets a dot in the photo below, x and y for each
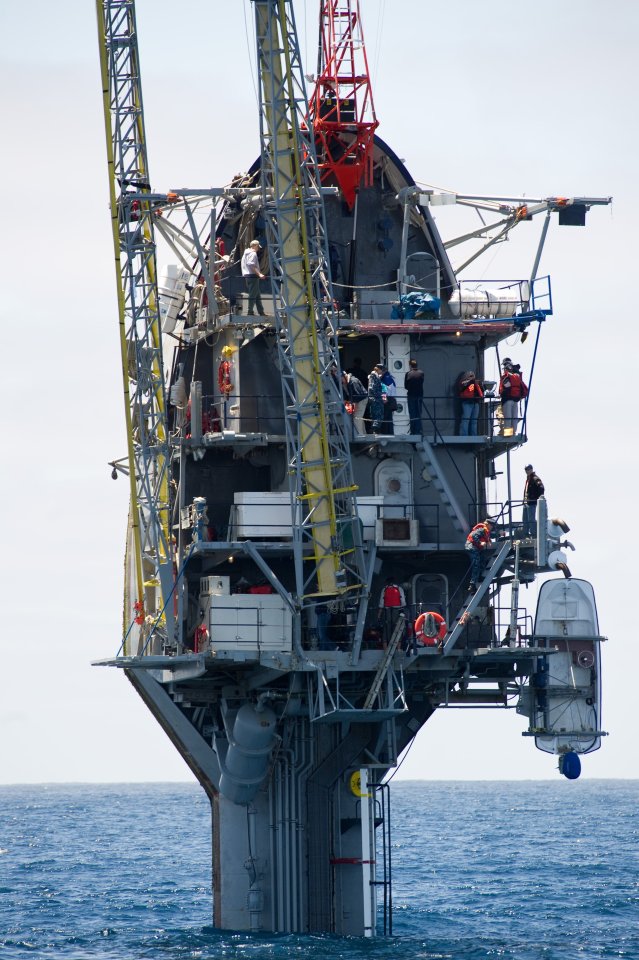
(368, 857)
(242, 884)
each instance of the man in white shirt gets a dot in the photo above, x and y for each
(252, 275)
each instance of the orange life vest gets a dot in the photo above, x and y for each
(512, 387)
(392, 596)
(472, 391)
(483, 531)
(224, 378)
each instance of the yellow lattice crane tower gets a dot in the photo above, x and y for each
(132, 211)
(322, 487)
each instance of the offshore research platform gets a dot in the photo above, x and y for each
(297, 598)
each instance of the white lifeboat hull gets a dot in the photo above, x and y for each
(563, 700)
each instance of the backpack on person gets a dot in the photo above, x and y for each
(356, 390)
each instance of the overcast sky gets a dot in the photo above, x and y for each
(529, 98)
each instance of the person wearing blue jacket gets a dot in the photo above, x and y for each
(375, 395)
(390, 403)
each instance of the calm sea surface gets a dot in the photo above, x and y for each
(529, 871)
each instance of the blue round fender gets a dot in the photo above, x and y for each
(570, 765)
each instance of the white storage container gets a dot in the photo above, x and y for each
(265, 514)
(250, 623)
(465, 303)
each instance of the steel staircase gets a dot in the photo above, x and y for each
(438, 479)
(477, 596)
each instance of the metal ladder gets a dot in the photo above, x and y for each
(385, 662)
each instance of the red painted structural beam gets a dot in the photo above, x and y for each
(342, 109)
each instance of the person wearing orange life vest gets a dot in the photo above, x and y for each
(477, 543)
(512, 389)
(470, 393)
(392, 602)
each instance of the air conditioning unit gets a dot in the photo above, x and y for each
(397, 532)
(215, 586)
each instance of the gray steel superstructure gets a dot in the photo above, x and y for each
(264, 529)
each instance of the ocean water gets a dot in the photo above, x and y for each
(515, 871)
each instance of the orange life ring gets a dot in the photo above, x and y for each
(224, 378)
(429, 631)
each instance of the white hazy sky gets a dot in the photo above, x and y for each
(535, 97)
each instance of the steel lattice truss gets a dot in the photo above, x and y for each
(322, 488)
(140, 332)
(342, 106)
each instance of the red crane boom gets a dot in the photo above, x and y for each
(342, 107)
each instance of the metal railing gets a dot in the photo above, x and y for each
(499, 300)
(252, 522)
(503, 513)
(441, 417)
(491, 629)
(249, 518)
(472, 300)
